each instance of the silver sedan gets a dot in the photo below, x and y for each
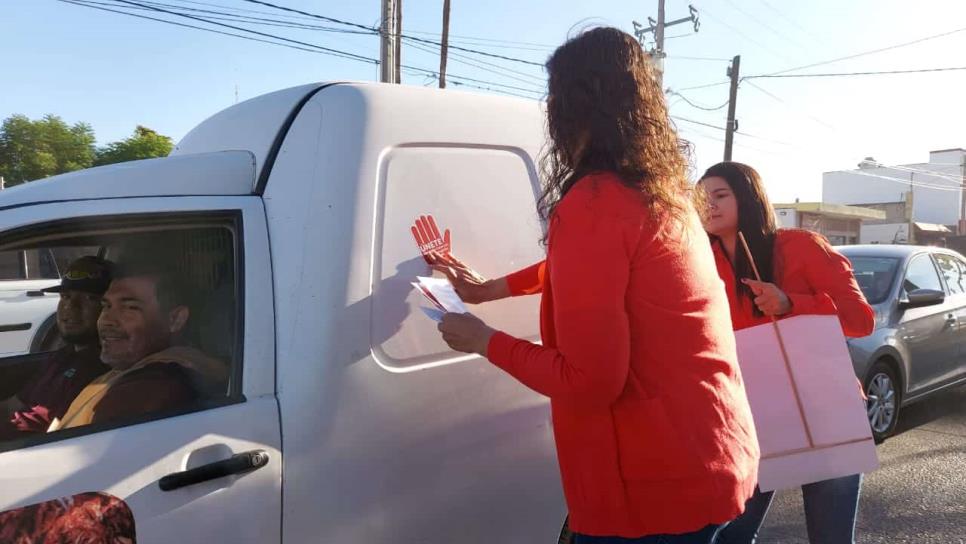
(918, 347)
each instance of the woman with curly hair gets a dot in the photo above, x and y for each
(654, 435)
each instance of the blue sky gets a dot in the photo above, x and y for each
(115, 72)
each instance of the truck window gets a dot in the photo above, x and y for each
(148, 327)
(11, 265)
(486, 198)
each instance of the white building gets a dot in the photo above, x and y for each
(931, 193)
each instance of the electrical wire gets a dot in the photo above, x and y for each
(364, 27)
(870, 52)
(844, 74)
(695, 105)
(314, 49)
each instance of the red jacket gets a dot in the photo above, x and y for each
(653, 429)
(816, 278)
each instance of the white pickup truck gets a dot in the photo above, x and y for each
(346, 419)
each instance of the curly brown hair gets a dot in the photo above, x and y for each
(606, 112)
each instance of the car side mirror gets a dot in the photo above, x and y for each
(922, 297)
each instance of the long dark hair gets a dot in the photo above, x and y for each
(606, 112)
(756, 221)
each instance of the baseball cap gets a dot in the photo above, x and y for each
(89, 274)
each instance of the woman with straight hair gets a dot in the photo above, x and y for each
(800, 274)
(653, 430)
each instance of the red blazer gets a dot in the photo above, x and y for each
(816, 278)
(653, 429)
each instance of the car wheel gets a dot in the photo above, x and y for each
(882, 390)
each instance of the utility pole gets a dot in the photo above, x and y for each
(397, 43)
(389, 41)
(658, 27)
(732, 125)
(444, 47)
(659, 43)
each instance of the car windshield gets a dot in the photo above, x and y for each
(875, 276)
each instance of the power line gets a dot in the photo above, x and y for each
(706, 86)
(357, 25)
(464, 78)
(231, 17)
(435, 50)
(843, 74)
(745, 134)
(955, 179)
(715, 59)
(704, 11)
(742, 145)
(499, 70)
(703, 124)
(433, 77)
(905, 182)
(536, 46)
(297, 42)
(789, 106)
(761, 23)
(786, 18)
(698, 106)
(82, 3)
(870, 52)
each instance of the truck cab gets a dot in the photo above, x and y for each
(343, 416)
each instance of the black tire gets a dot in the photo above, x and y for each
(884, 392)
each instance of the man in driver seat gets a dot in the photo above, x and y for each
(144, 316)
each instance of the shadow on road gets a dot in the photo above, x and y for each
(946, 405)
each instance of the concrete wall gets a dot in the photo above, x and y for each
(787, 217)
(884, 233)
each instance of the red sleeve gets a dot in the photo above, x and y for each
(829, 274)
(528, 281)
(590, 269)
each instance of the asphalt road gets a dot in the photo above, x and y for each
(918, 495)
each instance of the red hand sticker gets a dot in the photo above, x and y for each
(427, 237)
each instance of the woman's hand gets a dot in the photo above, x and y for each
(769, 298)
(469, 285)
(466, 333)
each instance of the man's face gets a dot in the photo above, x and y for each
(132, 324)
(77, 314)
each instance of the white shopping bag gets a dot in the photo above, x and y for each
(809, 414)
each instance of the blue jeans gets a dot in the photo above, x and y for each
(704, 536)
(830, 510)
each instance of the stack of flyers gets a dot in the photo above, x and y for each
(441, 294)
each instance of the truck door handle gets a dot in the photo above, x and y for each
(950, 319)
(236, 464)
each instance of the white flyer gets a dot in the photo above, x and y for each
(443, 293)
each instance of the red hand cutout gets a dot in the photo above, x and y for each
(427, 237)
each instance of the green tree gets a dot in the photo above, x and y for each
(143, 144)
(32, 150)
